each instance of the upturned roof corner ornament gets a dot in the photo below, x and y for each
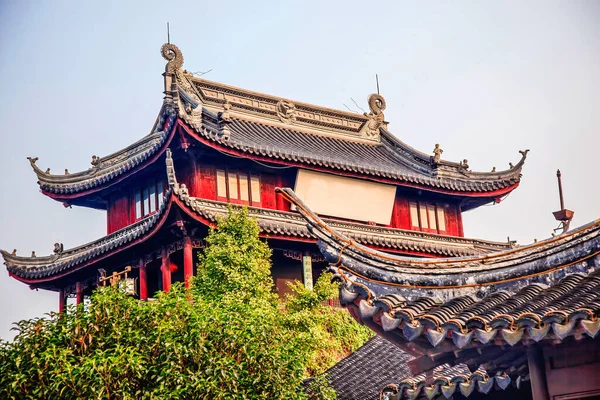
(437, 154)
(286, 111)
(376, 118)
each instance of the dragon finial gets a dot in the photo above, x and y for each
(33, 160)
(494, 169)
(14, 252)
(95, 160)
(524, 153)
(376, 118)
(33, 254)
(376, 104)
(66, 171)
(173, 55)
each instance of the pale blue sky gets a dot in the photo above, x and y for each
(482, 78)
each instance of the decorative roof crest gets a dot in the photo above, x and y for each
(286, 111)
(173, 55)
(376, 118)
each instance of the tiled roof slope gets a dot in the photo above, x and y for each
(363, 374)
(380, 366)
(32, 268)
(275, 222)
(390, 159)
(542, 291)
(271, 222)
(281, 130)
(106, 169)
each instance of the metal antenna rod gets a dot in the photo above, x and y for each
(377, 80)
(168, 34)
(560, 191)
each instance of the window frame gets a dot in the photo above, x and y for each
(431, 212)
(145, 205)
(238, 176)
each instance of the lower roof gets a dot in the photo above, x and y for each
(547, 290)
(379, 368)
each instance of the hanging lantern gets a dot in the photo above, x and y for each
(173, 267)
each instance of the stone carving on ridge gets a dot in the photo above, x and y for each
(286, 111)
(437, 154)
(173, 55)
(376, 118)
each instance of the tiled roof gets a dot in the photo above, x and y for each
(106, 169)
(540, 291)
(380, 368)
(271, 222)
(275, 222)
(390, 159)
(64, 260)
(274, 128)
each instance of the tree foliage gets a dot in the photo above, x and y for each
(227, 337)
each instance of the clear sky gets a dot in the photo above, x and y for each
(482, 78)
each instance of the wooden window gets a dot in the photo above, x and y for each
(148, 199)
(255, 189)
(427, 217)
(441, 219)
(221, 184)
(238, 187)
(414, 215)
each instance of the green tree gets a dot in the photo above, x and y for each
(228, 337)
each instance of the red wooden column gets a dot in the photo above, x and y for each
(62, 300)
(143, 280)
(537, 373)
(79, 293)
(166, 270)
(188, 266)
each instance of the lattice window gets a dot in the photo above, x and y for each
(427, 217)
(148, 199)
(238, 187)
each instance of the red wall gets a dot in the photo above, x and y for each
(401, 214)
(199, 175)
(118, 212)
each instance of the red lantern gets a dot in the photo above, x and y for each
(173, 267)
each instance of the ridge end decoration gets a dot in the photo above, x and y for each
(173, 55)
(376, 119)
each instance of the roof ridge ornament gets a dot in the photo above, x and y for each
(376, 118)
(173, 55)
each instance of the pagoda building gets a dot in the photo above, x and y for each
(474, 324)
(213, 145)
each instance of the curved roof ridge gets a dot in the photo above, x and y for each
(573, 248)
